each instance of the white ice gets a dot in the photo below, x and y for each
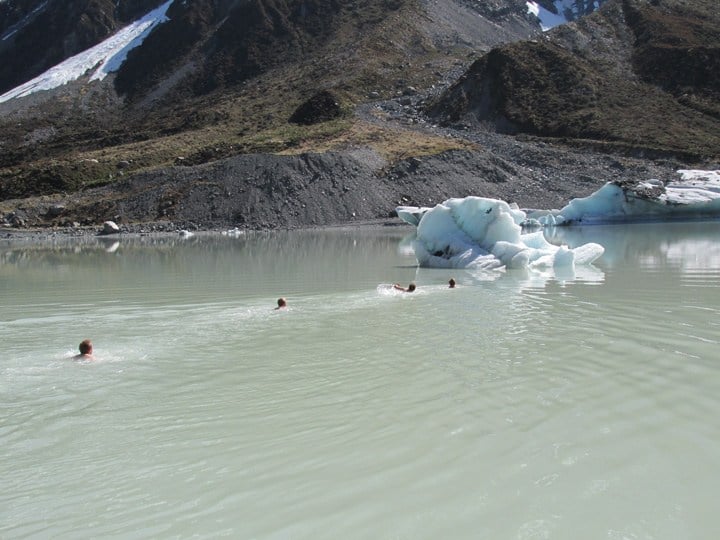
(475, 232)
(98, 61)
(480, 233)
(548, 19)
(696, 194)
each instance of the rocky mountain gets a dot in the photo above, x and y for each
(570, 10)
(220, 77)
(627, 88)
(633, 76)
(220, 43)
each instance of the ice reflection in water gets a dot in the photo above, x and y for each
(518, 405)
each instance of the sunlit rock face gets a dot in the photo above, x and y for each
(475, 232)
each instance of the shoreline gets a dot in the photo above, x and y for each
(172, 230)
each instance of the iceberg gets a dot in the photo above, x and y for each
(474, 232)
(695, 195)
(481, 233)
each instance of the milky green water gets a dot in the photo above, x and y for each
(516, 406)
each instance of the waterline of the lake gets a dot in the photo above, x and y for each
(518, 405)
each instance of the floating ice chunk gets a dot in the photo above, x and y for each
(607, 202)
(565, 256)
(486, 220)
(476, 232)
(441, 234)
(587, 253)
(695, 187)
(510, 254)
(695, 195)
(486, 233)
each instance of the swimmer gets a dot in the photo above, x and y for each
(86, 351)
(451, 283)
(410, 288)
(282, 303)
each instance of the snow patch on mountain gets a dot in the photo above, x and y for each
(565, 10)
(98, 61)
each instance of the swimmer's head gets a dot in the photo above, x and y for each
(411, 287)
(451, 283)
(282, 303)
(86, 347)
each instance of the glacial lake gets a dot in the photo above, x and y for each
(519, 405)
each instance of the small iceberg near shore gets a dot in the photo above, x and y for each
(475, 232)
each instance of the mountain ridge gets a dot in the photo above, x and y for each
(217, 95)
